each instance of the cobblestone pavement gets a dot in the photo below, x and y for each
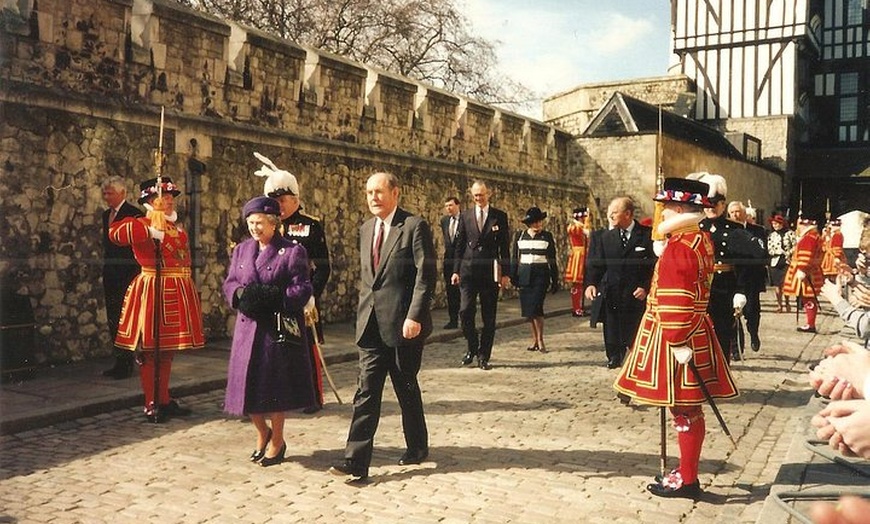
(539, 438)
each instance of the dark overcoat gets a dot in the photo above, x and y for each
(264, 377)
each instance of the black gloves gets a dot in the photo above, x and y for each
(259, 301)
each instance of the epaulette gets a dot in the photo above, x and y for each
(312, 217)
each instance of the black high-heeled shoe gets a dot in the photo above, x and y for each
(258, 454)
(277, 459)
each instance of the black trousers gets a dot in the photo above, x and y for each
(114, 290)
(402, 365)
(752, 313)
(721, 310)
(454, 299)
(487, 291)
(620, 326)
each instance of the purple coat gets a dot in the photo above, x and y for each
(263, 377)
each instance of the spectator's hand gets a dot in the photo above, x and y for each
(849, 510)
(156, 234)
(591, 292)
(800, 275)
(639, 293)
(861, 262)
(832, 291)
(850, 420)
(504, 281)
(841, 374)
(411, 329)
(738, 301)
(454, 279)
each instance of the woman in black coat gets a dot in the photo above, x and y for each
(534, 271)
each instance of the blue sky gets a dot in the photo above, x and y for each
(554, 45)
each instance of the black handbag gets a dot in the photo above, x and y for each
(289, 333)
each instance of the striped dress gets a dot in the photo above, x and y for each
(533, 270)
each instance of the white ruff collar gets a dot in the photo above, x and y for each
(679, 221)
(172, 217)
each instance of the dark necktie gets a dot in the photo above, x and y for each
(623, 235)
(379, 241)
(112, 214)
(452, 228)
(480, 219)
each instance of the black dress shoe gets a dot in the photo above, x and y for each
(348, 468)
(755, 344)
(467, 359)
(484, 364)
(686, 491)
(613, 363)
(258, 454)
(451, 325)
(806, 329)
(735, 357)
(157, 417)
(173, 409)
(416, 456)
(312, 409)
(277, 459)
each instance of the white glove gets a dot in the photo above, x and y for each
(683, 354)
(659, 247)
(309, 306)
(800, 275)
(739, 301)
(156, 234)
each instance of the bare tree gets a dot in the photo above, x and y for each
(426, 40)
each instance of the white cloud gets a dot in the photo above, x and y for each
(619, 33)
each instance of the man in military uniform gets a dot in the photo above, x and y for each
(307, 230)
(756, 271)
(734, 247)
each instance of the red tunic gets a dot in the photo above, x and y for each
(833, 254)
(181, 317)
(676, 315)
(576, 264)
(807, 257)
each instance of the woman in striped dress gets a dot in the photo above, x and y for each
(534, 271)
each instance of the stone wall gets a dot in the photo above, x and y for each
(82, 86)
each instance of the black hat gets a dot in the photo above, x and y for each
(534, 214)
(148, 188)
(580, 212)
(684, 190)
(261, 204)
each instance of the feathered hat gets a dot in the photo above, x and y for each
(718, 187)
(278, 181)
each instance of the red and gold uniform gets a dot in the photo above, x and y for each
(178, 307)
(181, 317)
(832, 249)
(807, 258)
(676, 324)
(676, 315)
(575, 268)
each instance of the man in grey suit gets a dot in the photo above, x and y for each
(397, 283)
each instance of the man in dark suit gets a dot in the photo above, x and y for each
(481, 265)
(397, 282)
(119, 269)
(620, 268)
(449, 227)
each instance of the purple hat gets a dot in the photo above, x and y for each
(261, 204)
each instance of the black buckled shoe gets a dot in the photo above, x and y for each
(156, 417)
(484, 364)
(685, 491)
(415, 456)
(807, 329)
(467, 359)
(348, 468)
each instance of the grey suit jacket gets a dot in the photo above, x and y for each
(403, 284)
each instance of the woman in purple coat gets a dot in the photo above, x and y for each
(268, 283)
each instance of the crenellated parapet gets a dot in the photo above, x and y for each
(160, 53)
